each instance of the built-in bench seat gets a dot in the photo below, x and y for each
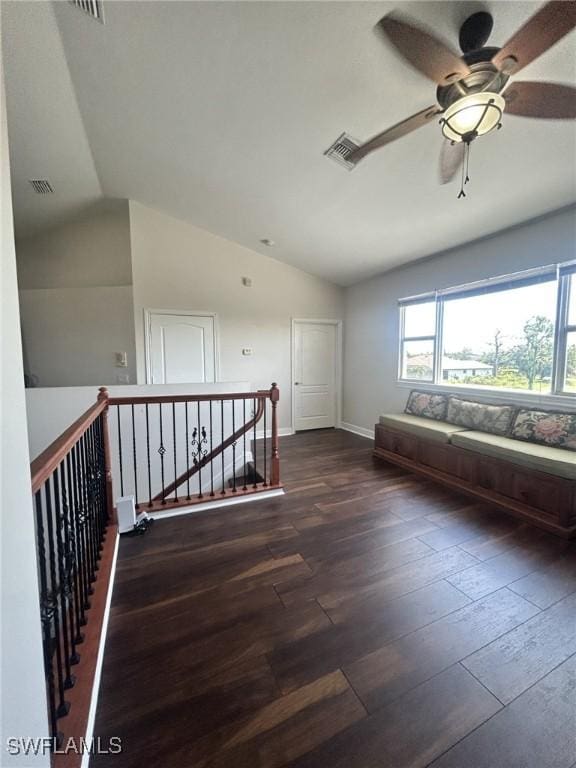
(521, 460)
(541, 458)
(430, 429)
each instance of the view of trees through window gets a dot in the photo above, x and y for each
(508, 336)
(499, 338)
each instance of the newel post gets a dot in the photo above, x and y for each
(103, 396)
(275, 463)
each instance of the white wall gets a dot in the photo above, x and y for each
(71, 334)
(371, 317)
(178, 266)
(76, 298)
(23, 691)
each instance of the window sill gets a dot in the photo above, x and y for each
(495, 395)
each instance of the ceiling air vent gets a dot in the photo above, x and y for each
(341, 150)
(91, 7)
(41, 186)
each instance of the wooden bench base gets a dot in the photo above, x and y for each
(541, 499)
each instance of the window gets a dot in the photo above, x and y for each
(515, 333)
(418, 341)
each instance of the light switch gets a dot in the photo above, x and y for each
(247, 351)
(121, 360)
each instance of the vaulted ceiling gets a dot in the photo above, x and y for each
(219, 113)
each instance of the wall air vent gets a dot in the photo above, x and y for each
(41, 186)
(341, 150)
(91, 7)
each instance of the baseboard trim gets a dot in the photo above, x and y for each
(100, 660)
(362, 431)
(261, 496)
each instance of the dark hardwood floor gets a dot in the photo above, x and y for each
(366, 619)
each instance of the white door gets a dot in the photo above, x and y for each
(181, 348)
(315, 391)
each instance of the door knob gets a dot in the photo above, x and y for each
(296, 383)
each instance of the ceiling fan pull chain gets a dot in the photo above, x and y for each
(462, 182)
(467, 162)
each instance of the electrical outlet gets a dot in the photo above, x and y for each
(247, 351)
(122, 378)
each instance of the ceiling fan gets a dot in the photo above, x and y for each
(474, 90)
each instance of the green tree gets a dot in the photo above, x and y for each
(533, 357)
(463, 354)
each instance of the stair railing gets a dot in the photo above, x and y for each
(178, 450)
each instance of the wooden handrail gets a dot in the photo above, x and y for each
(150, 399)
(261, 396)
(44, 464)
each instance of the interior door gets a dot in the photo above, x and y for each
(315, 391)
(181, 348)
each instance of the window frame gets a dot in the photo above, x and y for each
(561, 273)
(428, 299)
(563, 328)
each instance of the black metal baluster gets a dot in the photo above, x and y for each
(201, 438)
(102, 473)
(80, 525)
(234, 447)
(211, 449)
(187, 452)
(63, 580)
(174, 449)
(45, 615)
(85, 518)
(265, 449)
(161, 451)
(255, 446)
(244, 487)
(71, 564)
(150, 502)
(223, 491)
(95, 491)
(120, 452)
(86, 486)
(63, 706)
(137, 505)
(78, 581)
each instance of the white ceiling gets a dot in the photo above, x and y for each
(219, 113)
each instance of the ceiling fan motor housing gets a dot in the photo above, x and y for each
(484, 76)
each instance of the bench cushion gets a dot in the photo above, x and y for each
(496, 419)
(553, 461)
(431, 429)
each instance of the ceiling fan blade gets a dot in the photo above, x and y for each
(451, 159)
(430, 56)
(395, 132)
(541, 32)
(547, 100)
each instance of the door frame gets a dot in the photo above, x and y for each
(148, 312)
(338, 362)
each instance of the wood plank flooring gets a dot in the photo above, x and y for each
(366, 619)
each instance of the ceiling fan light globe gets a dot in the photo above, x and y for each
(473, 115)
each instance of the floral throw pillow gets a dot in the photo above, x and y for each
(554, 429)
(426, 404)
(496, 419)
